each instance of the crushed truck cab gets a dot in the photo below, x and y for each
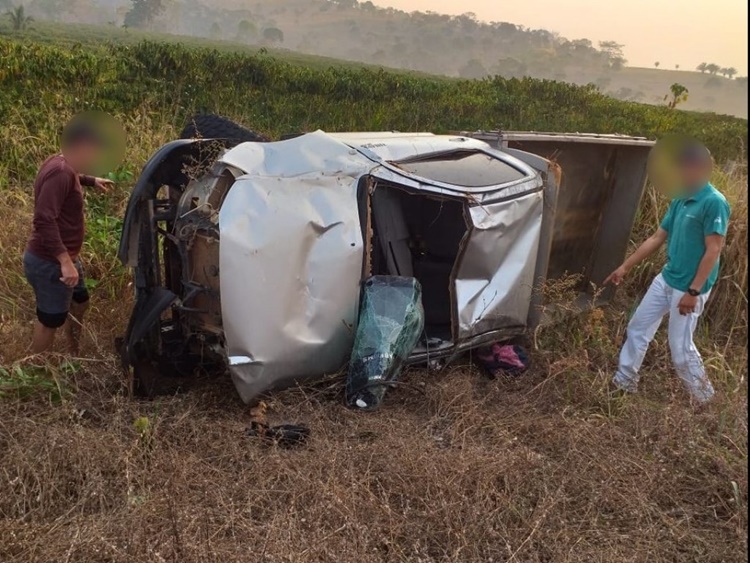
(251, 256)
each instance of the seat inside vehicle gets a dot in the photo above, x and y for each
(419, 236)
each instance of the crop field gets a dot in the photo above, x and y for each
(648, 85)
(546, 467)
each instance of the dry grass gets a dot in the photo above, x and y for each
(544, 468)
(540, 469)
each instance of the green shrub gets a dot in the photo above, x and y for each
(41, 85)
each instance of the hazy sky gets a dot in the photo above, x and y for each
(684, 32)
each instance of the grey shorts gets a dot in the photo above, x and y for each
(53, 297)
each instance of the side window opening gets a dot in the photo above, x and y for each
(420, 237)
(469, 168)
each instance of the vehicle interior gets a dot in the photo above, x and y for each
(419, 236)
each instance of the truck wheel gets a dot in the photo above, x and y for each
(209, 126)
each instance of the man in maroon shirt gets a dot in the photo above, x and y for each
(51, 260)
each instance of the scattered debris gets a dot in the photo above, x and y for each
(391, 321)
(258, 414)
(502, 359)
(284, 435)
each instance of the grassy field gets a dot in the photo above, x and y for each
(647, 85)
(72, 34)
(706, 93)
(455, 468)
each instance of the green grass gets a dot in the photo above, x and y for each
(717, 94)
(24, 381)
(42, 84)
(78, 34)
(649, 85)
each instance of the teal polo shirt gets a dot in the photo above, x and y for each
(688, 221)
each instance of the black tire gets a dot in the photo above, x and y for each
(209, 126)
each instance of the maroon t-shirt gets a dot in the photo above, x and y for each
(58, 225)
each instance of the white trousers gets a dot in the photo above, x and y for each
(659, 300)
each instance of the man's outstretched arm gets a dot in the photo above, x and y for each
(101, 184)
(646, 249)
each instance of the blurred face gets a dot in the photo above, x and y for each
(83, 156)
(663, 174)
(695, 175)
(100, 144)
(679, 166)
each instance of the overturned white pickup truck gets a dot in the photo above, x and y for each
(251, 254)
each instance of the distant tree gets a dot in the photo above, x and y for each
(510, 68)
(703, 67)
(656, 64)
(712, 68)
(614, 53)
(611, 47)
(473, 69)
(143, 12)
(730, 72)
(468, 18)
(543, 39)
(678, 93)
(18, 18)
(247, 31)
(581, 45)
(273, 35)
(677, 67)
(508, 29)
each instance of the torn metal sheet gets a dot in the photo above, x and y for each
(291, 259)
(495, 276)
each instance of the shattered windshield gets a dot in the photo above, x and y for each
(472, 169)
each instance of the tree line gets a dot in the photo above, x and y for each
(714, 69)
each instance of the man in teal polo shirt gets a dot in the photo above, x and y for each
(694, 228)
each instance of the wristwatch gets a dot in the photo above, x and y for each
(693, 292)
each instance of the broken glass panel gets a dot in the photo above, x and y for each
(472, 169)
(391, 320)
